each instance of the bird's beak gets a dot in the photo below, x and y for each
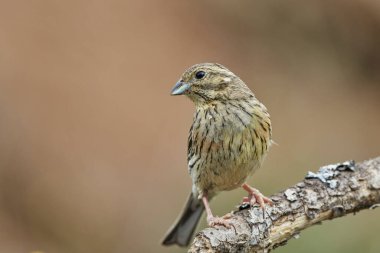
(180, 88)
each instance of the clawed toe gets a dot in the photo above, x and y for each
(260, 199)
(246, 200)
(267, 200)
(219, 221)
(254, 196)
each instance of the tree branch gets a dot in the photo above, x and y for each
(336, 190)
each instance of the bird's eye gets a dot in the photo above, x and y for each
(200, 74)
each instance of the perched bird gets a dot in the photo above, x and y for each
(228, 140)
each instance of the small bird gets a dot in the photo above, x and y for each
(228, 140)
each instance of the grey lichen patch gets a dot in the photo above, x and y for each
(333, 183)
(300, 184)
(311, 199)
(296, 205)
(326, 174)
(257, 215)
(354, 183)
(276, 198)
(261, 221)
(283, 208)
(236, 234)
(291, 194)
(255, 237)
(214, 238)
(374, 182)
(273, 212)
(311, 202)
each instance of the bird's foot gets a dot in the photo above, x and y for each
(219, 221)
(214, 220)
(255, 196)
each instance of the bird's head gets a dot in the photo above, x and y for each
(207, 82)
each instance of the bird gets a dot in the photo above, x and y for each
(228, 140)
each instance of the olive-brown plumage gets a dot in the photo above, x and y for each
(228, 140)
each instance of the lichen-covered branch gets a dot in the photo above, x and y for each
(336, 190)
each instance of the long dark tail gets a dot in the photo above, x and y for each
(182, 230)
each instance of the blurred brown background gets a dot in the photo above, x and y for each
(93, 148)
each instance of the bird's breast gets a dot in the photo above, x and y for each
(225, 145)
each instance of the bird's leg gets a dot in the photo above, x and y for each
(214, 220)
(254, 196)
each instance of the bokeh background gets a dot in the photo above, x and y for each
(93, 148)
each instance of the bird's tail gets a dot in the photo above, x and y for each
(182, 230)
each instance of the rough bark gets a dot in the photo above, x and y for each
(334, 191)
